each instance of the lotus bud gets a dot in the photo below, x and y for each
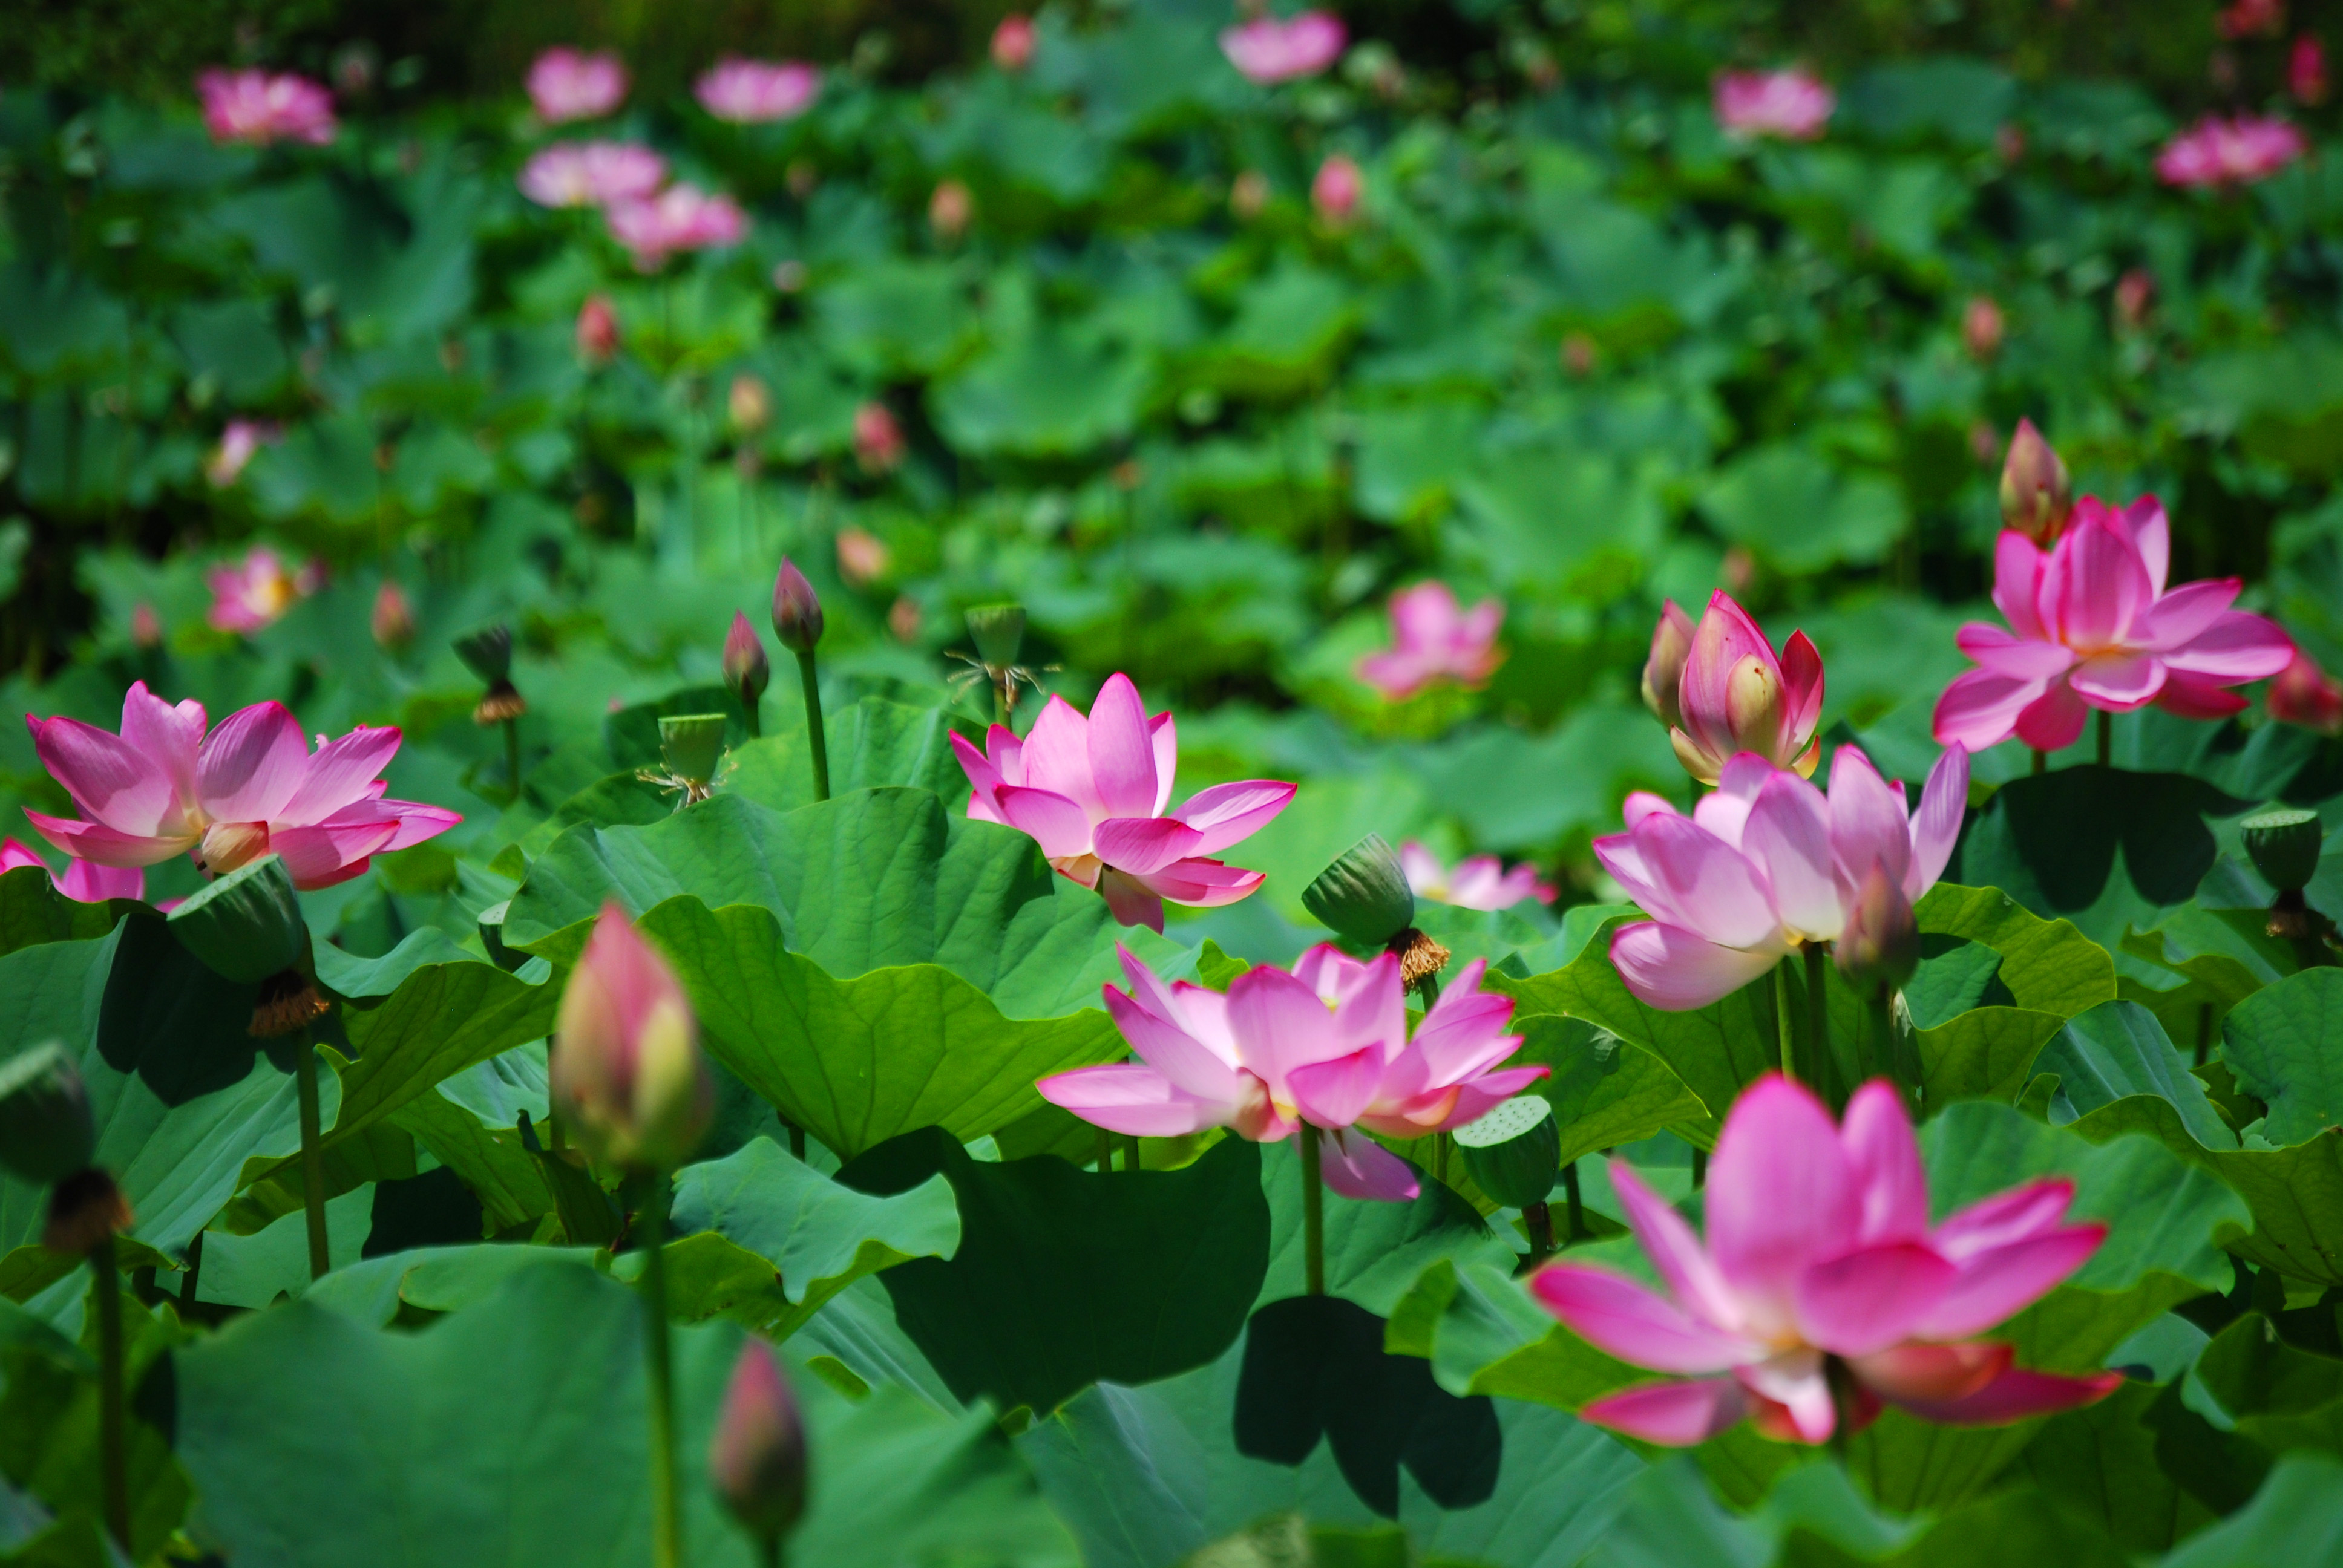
(626, 1072)
(692, 746)
(1879, 948)
(146, 626)
(1514, 1154)
(1335, 190)
(1663, 670)
(950, 209)
(1013, 43)
(2036, 493)
(46, 1133)
(85, 1208)
(393, 621)
(2284, 843)
(877, 438)
(758, 1457)
(2134, 292)
(1248, 194)
(597, 330)
(1000, 633)
(1752, 705)
(2304, 694)
(863, 557)
(1982, 327)
(749, 405)
(1363, 895)
(796, 613)
(747, 671)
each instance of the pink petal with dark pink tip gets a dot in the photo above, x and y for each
(1882, 1158)
(1937, 825)
(1138, 845)
(1622, 1318)
(2054, 721)
(1121, 753)
(107, 846)
(1867, 1300)
(251, 764)
(1674, 1414)
(2237, 645)
(1056, 755)
(170, 734)
(1127, 1097)
(1051, 820)
(2020, 1214)
(1994, 1286)
(1919, 1371)
(1667, 1240)
(1202, 883)
(321, 855)
(2117, 683)
(2006, 653)
(1356, 1166)
(341, 772)
(1780, 1197)
(1980, 708)
(2015, 1395)
(2018, 567)
(1228, 814)
(114, 782)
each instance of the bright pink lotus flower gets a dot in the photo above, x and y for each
(2305, 694)
(2092, 625)
(1765, 864)
(1820, 1258)
(1734, 695)
(239, 443)
(250, 787)
(1791, 103)
(1091, 792)
(83, 882)
(1433, 638)
(680, 217)
(592, 174)
(565, 84)
(2233, 152)
(1326, 1044)
(1268, 50)
(258, 107)
(1478, 882)
(253, 592)
(757, 92)
(626, 1068)
(1335, 190)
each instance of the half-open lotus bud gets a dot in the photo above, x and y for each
(2036, 494)
(1514, 1152)
(626, 1072)
(1000, 633)
(1663, 670)
(46, 1133)
(1363, 895)
(758, 1456)
(1879, 948)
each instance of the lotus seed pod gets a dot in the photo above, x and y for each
(1363, 895)
(692, 745)
(2284, 842)
(1514, 1152)
(1000, 633)
(46, 1133)
(488, 653)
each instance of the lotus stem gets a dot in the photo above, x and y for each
(512, 756)
(1574, 1205)
(2107, 729)
(1130, 1152)
(753, 717)
(1699, 1168)
(1539, 1219)
(115, 1474)
(1313, 1212)
(667, 1531)
(818, 742)
(1782, 1027)
(1105, 1151)
(2041, 761)
(769, 1552)
(1821, 1067)
(313, 1158)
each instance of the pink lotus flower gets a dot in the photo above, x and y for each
(238, 443)
(1434, 639)
(1335, 190)
(2305, 71)
(2092, 625)
(1013, 43)
(625, 1069)
(1734, 695)
(1326, 1044)
(83, 882)
(1764, 865)
(1982, 328)
(2245, 18)
(680, 217)
(878, 442)
(1091, 792)
(757, 92)
(565, 84)
(249, 788)
(1820, 1260)
(2233, 152)
(2305, 694)
(1478, 882)
(252, 593)
(259, 107)
(1268, 50)
(1789, 104)
(592, 174)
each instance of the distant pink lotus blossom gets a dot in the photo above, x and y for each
(757, 92)
(2251, 18)
(83, 882)
(1269, 50)
(1092, 792)
(566, 85)
(2305, 71)
(2091, 625)
(259, 107)
(1733, 694)
(878, 442)
(680, 217)
(592, 174)
(1791, 103)
(1478, 882)
(597, 329)
(1013, 43)
(1983, 327)
(238, 443)
(1335, 190)
(1326, 1044)
(2304, 694)
(250, 594)
(2233, 152)
(1821, 1263)
(1433, 638)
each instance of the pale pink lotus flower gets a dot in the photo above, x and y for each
(680, 217)
(2304, 694)
(592, 174)
(1013, 43)
(2232, 152)
(238, 443)
(1269, 50)
(83, 882)
(1792, 103)
(757, 92)
(252, 593)
(1820, 1265)
(625, 1071)
(879, 442)
(1765, 864)
(597, 329)
(1435, 639)
(1478, 882)
(2305, 71)
(1092, 793)
(1326, 1044)
(1733, 694)
(1335, 189)
(566, 85)
(250, 787)
(2091, 625)
(258, 107)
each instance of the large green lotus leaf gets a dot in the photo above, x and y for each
(1373, 1251)
(1065, 1277)
(2048, 965)
(2280, 1396)
(514, 1429)
(1040, 395)
(470, 1121)
(1793, 507)
(2118, 1049)
(2219, 956)
(254, 1271)
(872, 743)
(2296, 1517)
(2285, 1043)
(2102, 1460)
(1604, 1092)
(32, 911)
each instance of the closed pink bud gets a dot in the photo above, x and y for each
(626, 1072)
(597, 330)
(1663, 670)
(797, 612)
(877, 438)
(394, 618)
(146, 626)
(2304, 694)
(1336, 189)
(1737, 695)
(1248, 194)
(1982, 328)
(1879, 947)
(749, 405)
(2305, 71)
(758, 1457)
(2036, 496)
(747, 671)
(950, 209)
(1013, 43)
(2135, 290)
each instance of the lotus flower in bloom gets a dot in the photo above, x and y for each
(252, 593)
(1787, 103)
(1732, 693)
(1478, 882)
(1326, 1044)
(2305, 694)
(2239, 151)
(261, 106)
(1268, 50)
(625, 1069)
(592, 174)
(2092, 625)
(1091, 792)
(1433, 638)
(1820, 1258)
(565, 84)
(680, 217)
(250, 787)
(238, 444)
(1765, 864)
(757, 92)
(83, 882)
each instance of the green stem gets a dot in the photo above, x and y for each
(1788, 1062)
(820, 744)
(752, 715)
(1428, 990)
(1878, 1053)
(1539, 1221)
(769, 1552)
(1105, 1151)
(114, 1471)
(1699, 1168)
(1313, 1212)
(1001, 709)
(2204, 1032)
(1130, 1152)
(2041, 761)
(667, 1528)
(1820, 1065)
(313, 1161)
(2106, 727)
(1440, 1156)
(1574, 1206)
(512, 757)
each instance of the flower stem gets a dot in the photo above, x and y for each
(819, 742)
(752, 715)
(2106, 727)
(115, 1474)
(1575, 1207)
(666, 1532)
(1539, 1219)
(2041, 761)
(1313, 1212)
(1699, 1168)
(1782, 1027)
(1130, 1152)
(1105, 1151)
(512, 756)
(313, 1161)
(769, 1552)
(1820, 1065)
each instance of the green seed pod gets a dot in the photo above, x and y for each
(488, 653)
(2284, 842)
(1000, 633)
(46, 1131)
(247, 925)
(1514, 1152)
(692, 744)
(1363, 895)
